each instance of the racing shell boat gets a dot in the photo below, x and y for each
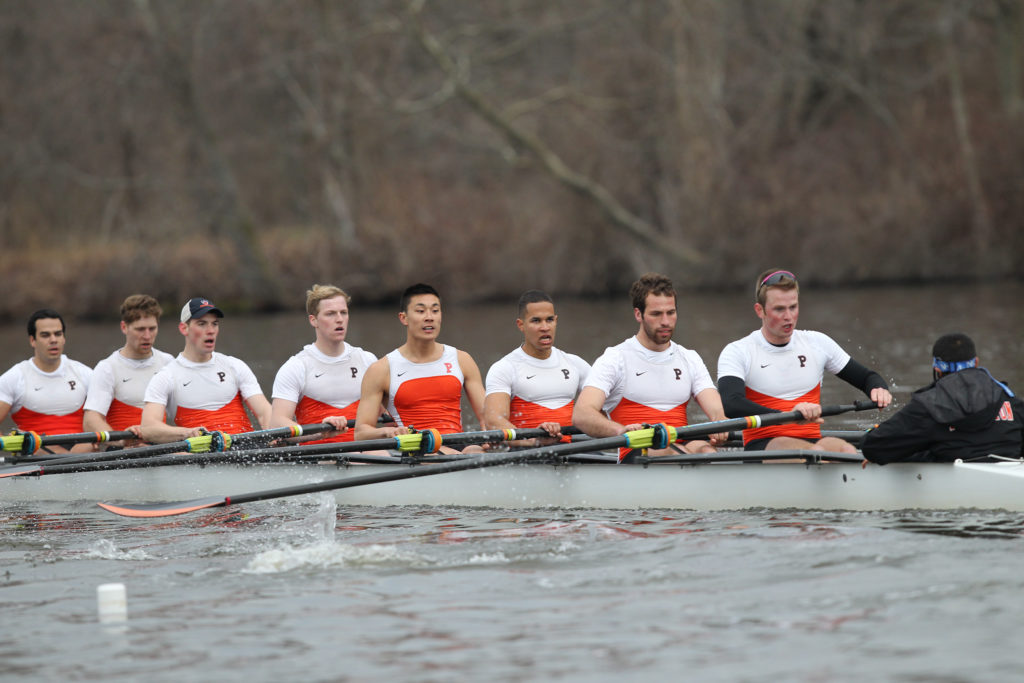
(805, 479)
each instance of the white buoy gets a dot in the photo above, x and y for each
(112, 602)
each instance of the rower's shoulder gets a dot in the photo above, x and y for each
(380, 366)
(466, 361)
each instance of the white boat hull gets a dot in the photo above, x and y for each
(699, 487)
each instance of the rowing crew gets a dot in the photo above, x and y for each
(648, 378)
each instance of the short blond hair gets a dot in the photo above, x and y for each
(318, 293)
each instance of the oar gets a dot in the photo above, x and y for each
(205, 443)
(805, 454)
(420, 442)
(852, 435)
(272, 455)
(30, 442)
(653, 437)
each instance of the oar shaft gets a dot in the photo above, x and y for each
(185, 445)
(754, 421)
(401, 442)
(476, 462)
(851, 435)
(30, 442)
(84, 437)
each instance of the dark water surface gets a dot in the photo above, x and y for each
(297, 589)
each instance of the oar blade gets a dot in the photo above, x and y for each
(18, 471)
(164, 509)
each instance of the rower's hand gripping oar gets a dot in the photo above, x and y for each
(27, 443)
(637, 439)
(210, 442)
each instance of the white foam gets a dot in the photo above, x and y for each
(106, 550)
(330, 554)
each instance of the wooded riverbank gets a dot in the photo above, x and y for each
(246, 150)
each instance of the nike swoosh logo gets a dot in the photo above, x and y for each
(187, 383)
(399, 374)
(641, 373)
(321, 374)
(37, 388)
(530, 376)
(126, 380)
(764, 365)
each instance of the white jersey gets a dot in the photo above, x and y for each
(333, 380)
(540, 390)
(791, 373)
(186, 386)
(123, 379)
(641, 385)
(36, 396)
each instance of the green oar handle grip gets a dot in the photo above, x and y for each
(210, 442)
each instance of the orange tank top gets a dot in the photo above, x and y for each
(230, 418)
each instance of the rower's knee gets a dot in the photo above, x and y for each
(834, 445)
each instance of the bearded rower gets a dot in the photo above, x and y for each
(648, 378)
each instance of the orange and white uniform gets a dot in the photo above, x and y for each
(427, 395)
(641, 385)
(206, 394)
(320, 385)
(118, 386)
(780, 377)
(47, 402)
(540, 390)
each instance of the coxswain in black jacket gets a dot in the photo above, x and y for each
(966, 415)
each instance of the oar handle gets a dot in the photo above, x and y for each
(27, 443)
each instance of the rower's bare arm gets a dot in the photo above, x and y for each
(710, 402)
(5, 410)
(93, 421)
(282, 413)
(155, 430)
(473, 385)
(587, 415)
(371, 398)
(497, 406)
(259, 406)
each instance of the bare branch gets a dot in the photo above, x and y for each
(619, 215)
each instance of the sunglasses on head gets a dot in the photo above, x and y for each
(776, 278)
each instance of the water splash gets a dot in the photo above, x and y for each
(105, 549)
(327, 553)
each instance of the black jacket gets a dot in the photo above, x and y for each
(966, 415)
